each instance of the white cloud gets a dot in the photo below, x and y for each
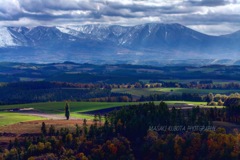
(22, 22)
(208, 16)
(216, 29)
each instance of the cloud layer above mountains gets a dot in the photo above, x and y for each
(208, 16)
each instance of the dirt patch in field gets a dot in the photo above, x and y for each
(33, 112)
(31, 128)
(48, 116)
(20, 110)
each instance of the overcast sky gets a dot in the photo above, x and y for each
(213, 17)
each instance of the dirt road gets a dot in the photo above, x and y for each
(48, 116)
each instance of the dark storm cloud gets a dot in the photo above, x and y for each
(125, 12)
(41, 5)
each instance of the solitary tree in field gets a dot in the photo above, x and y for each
(67, 111)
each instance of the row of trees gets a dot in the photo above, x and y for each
(211, 99)
(151, 84)
(194, 84)
(29, 92)
(176, 97)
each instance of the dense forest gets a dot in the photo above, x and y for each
(144, 131)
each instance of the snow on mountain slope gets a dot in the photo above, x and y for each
(67, 30)
(146, 41)
(6, 38)
(97, 32)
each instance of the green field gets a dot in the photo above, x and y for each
(11, 118)
(58, 107)
(201, 104)
(76, 109)
(148, 91)
(215, 81)
(54, 108)
(185, 102)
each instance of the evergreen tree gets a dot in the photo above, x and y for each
(67, 111)
(51, 130)
(78, 130)
(43, 128)
(85, 130)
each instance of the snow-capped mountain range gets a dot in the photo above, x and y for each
(95, 43)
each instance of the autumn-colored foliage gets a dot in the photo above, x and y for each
(130, 134)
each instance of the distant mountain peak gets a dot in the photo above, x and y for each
(148, 41)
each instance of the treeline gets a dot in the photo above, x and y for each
(174, 97)
(202, 84)
(211, 99)
(49, 84)
(114, 97)
(193, 84)
(29, 92)
(130, 133)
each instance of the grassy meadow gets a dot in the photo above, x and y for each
(54, 108)
(58, 107)
(7, 118)
(77, 109)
